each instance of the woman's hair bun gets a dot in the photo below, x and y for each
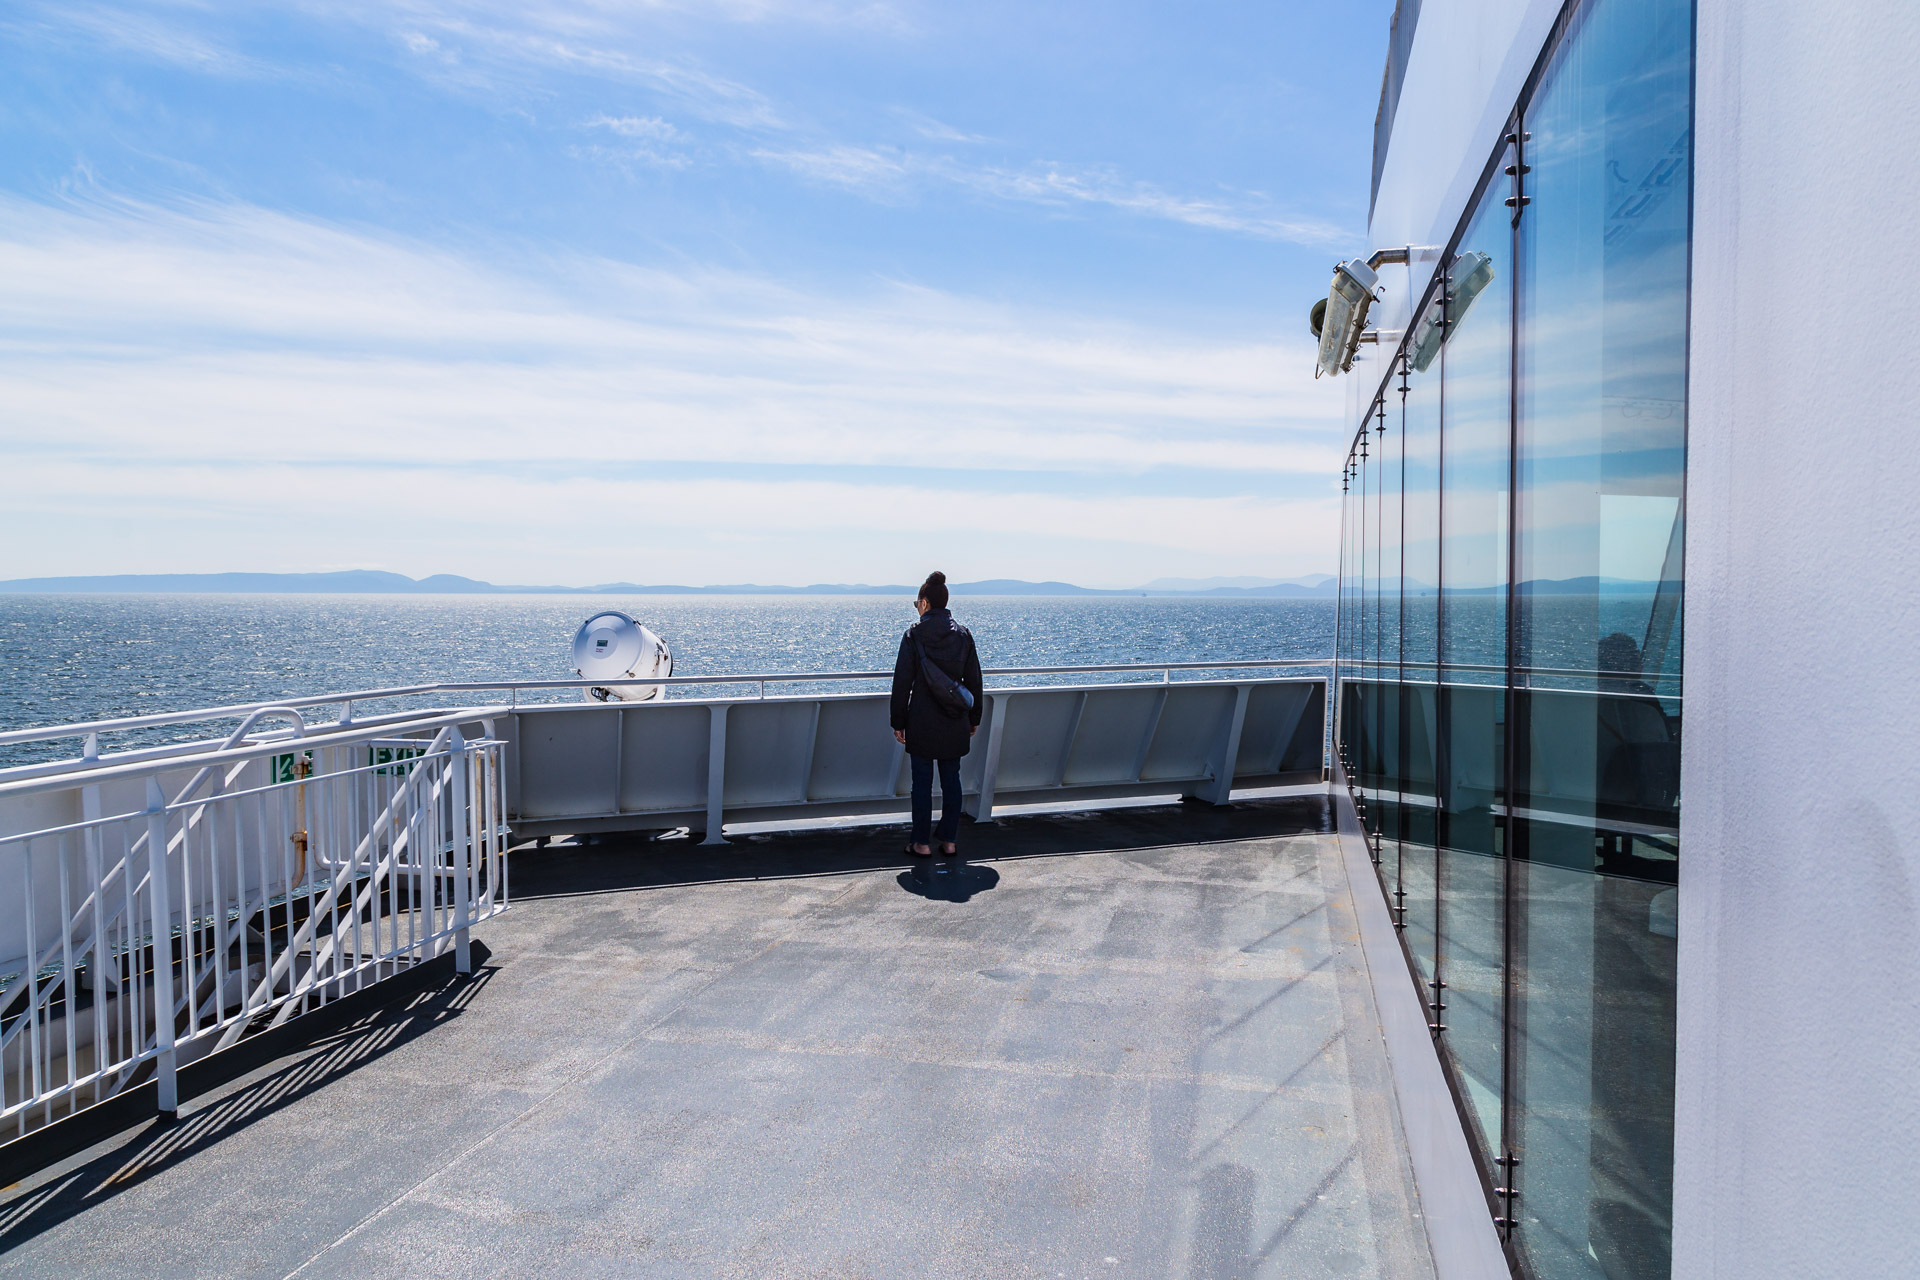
(934, 589)
(936, 576)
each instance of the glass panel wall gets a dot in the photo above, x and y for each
(1601, 449)
(1510, 644)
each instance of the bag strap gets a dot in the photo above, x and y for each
(921, 653)
(929, 668)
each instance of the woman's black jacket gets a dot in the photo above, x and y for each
(932, 732)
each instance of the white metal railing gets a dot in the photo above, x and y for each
(90, 732)
(276, 881)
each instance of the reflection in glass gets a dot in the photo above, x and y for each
(1419, 420)
(1477, 367)
(1602, 351)
(1385, 641)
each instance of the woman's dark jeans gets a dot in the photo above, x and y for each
(923, 799)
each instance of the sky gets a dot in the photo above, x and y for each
(777, 291)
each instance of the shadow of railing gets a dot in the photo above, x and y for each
(160, 1144)
(626, 862)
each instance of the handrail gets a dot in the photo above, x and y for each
(157, 719)
(340, 735)
(1500, 668)
(1557, 673)
(172, 750)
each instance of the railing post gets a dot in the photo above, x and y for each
(160, 895)
(716, 773)
(990, 770)
(462, 854)
(1222, 787)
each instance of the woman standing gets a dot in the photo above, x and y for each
(937, 698)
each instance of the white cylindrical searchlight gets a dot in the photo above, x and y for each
(622, 656)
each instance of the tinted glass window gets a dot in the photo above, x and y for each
(1601, 453)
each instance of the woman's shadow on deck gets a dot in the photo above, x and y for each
(946, 879)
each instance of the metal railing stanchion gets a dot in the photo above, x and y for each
(462, 852)
(160, 899)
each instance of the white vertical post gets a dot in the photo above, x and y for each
(619, 757)
(994, 720)
(98, 958)
(161, 896)
(90, 812)
(1146, 738)
(1222, 786)
(1067, 740)
(716, 773)
(462, 853)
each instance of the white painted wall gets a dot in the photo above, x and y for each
(1799, 1072)
(1468, 63)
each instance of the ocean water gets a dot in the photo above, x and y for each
(68, 658)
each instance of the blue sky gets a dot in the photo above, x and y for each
(747, 290)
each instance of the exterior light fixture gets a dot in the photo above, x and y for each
(1340, 319)
(1471, 272)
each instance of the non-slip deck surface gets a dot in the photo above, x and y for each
(1134, 1044)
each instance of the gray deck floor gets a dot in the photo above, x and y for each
(1142, 1045)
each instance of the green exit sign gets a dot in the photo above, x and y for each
(280, 768)
(387, 759)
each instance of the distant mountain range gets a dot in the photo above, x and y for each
(1318, 586)
(378, 582)
(1208, 586)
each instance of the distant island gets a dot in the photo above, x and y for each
(1317, 586)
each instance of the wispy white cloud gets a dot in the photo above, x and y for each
(599, 39)
(158, 37)
(1059, 185)
(868, 170)
(937, 130)
(650, 127)
(647, 143)
(631, 158)
(887, 172)
(204, 352)
(579, 17)
(482, 46)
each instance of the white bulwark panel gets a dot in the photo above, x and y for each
(588, 767)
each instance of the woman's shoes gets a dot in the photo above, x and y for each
(918, 851)
(949, 849)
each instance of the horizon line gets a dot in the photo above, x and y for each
(386, 582)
